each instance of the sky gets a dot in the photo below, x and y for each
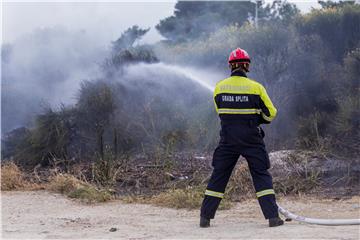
(105, 21)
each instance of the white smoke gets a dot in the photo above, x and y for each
(201, 77)
(45, 68)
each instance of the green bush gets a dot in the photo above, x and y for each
(90, 194)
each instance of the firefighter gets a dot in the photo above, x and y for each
(242, 105)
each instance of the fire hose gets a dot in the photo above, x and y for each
(332, 222)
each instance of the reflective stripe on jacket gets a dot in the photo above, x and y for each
(240, 98)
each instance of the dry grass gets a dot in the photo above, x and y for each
(12, 178)
(240, 185)
(293, 174)
(239, 188)
(64, 183)
(188, 198)
(75, 188)
(297, 175)
(90, 194)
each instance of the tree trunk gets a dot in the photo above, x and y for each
(100, 141)
(115, 143)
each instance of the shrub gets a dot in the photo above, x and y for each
(90, 194)
(105, 171)
(188, 198)
(64, 183)
(75, 188)
(240, 185)
(11, 177)
(49, 139)
(298, 175)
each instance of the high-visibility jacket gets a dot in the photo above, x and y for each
(240, 98)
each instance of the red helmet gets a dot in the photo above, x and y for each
(239, 56)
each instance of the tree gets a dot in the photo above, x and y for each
(279, 11)
(128, 38)
(50, 139)
(129, 56)
(346, 122)
(338, 27)
(192, 20)
(124, 52)
(195, 19)
(95, 108)
(332, 4)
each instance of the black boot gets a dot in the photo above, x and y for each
(274, 222)
(204, 222)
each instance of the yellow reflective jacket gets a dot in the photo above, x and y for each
(240, 98)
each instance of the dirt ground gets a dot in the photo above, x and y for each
(44, 215)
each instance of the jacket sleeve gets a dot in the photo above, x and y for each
(268, 111)
(214, 97)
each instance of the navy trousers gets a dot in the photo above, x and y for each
(235, 140)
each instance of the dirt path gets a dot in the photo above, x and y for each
(51, 216)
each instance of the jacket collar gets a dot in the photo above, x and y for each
(238, 73)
